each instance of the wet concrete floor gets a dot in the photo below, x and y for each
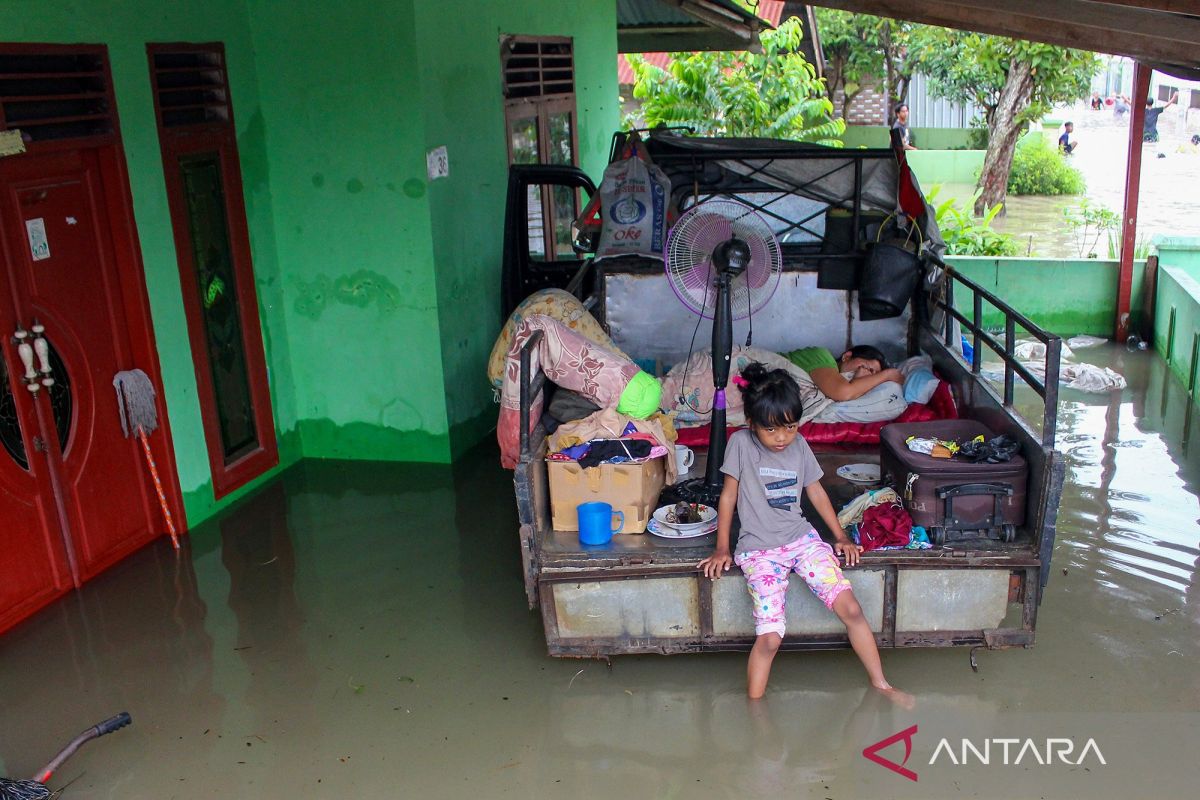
(360, 630)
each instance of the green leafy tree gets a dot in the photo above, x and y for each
(774, 93)
(1013, 81)
(861, 50)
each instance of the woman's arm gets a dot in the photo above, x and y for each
(836, 388)
(842, 544)
(720, 561)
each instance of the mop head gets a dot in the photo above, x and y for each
(22, 790)
(135, 400)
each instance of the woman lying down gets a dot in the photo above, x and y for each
(858, 386)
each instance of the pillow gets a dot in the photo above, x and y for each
(920, 385)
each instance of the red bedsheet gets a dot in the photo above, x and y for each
(940, 406)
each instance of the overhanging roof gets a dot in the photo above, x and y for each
(645, 26)
(1164, 34)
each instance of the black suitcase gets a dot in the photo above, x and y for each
(952, 498)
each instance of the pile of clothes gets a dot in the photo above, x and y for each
(876, 520)
(610, 437)
(568, 353)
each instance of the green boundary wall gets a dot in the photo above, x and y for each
(1064, 296)
(1177, 307)
(924, 138)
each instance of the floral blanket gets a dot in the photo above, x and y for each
(569, 359)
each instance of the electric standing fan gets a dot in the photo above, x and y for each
(723, 262)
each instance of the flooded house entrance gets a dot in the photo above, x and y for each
(75, 494)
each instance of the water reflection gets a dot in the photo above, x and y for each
(1129, 504)
(369, 623)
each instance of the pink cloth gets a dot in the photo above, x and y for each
(570, 360)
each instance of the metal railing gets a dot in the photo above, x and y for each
(1046, 389)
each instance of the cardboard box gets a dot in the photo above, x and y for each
(630, 488)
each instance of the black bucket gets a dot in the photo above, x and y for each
(843, 273)
(889, 278)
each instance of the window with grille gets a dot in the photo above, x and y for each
(53, 92)
(537, 67)
(540, 123)
(190, 85)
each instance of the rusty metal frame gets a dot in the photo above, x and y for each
(1026, 567)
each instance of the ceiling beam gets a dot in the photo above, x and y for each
(1177, 6)
(1139, 34)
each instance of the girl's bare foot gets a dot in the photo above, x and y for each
(902, 699)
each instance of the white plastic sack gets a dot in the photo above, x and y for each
(1083, 340)
(1029, 350)
(633, 203)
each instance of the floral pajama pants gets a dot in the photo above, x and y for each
(767, 574)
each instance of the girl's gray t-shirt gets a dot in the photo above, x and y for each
(769, 487)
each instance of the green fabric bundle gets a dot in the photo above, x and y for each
(640, 397)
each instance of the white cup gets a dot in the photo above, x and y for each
(684, 458)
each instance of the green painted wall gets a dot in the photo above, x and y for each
(924, 138)
(343, 108)
(459, 68)
(1180, 252)
(1065, 296)
(378, 291)
(1177, 298)
(946, 166)
(126, 26)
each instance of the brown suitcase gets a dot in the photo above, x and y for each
(951, 498)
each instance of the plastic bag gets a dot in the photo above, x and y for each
(993, 451)
(633, 203)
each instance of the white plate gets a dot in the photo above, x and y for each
(664, 516)
(667, 532)
(859, 473)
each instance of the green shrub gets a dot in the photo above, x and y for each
(966, 235)
(1089, 223)
(977, 135)
(1038, 168)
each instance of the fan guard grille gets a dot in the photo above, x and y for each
(689, 262)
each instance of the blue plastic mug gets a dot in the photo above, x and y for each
(595, 522)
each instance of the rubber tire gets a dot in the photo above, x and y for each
(937, 536)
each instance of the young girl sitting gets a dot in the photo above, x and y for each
(764, 468)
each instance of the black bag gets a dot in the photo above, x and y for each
(839, 239)
(889, 277)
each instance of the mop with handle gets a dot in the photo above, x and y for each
(36, 789)
(135, 400)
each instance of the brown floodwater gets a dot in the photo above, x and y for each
(360, 630)
(1170, 189)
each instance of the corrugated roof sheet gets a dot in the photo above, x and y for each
(654, 13)
(769, 10)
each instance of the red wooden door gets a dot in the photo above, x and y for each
(33, 564)
(62, 270)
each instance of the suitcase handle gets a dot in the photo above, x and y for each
(969, 489)
(996, 490)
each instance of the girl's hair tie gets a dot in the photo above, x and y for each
(741, 382)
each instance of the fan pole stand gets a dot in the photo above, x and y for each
(707, 490)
